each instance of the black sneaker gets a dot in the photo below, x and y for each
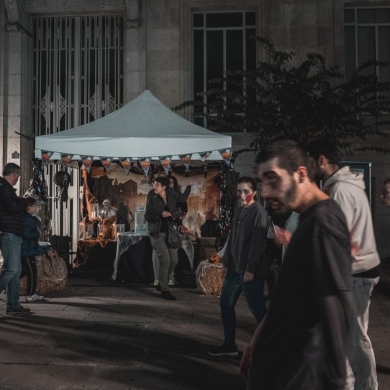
(167, 295)
(158, 287)
(19, 311)
(223, 350)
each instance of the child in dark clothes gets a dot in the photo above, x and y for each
(30, 249)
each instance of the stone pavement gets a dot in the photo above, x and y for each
(125, 337)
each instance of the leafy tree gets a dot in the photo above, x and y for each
(279, 99)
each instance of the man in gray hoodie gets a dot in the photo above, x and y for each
(347, 189)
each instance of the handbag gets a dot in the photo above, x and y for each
(173, 236)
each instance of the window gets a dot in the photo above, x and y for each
(77, 70)
(367, 37)
(222, 41)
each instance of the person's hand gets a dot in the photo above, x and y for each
(246, 362)
(191, 183)
(224, 271)
(248, 276)
(282, 236)
(166, 214)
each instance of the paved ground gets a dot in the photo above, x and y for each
(120, 337)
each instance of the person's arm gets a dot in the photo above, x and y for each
(334, 281)
(257, 241)
(187, 191)
(151, 215)
(178, 196)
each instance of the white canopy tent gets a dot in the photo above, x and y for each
(143, 127)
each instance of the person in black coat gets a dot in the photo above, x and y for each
(12, 211)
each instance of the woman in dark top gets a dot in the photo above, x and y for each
(242, 270)
(158, 214)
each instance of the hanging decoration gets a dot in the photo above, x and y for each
(38, 182)
(205, 171)
(66, 158)
(166, 163)
(87, 161)
(185, 159)
(204, 155)
(39, 190)
(226, 155)
(106, 161)
(45, 156)
(145, 164)
(126, 164)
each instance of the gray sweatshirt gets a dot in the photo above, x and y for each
(247, 239)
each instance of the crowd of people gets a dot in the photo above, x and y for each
(314, 333)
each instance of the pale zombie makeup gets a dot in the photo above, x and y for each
(245, 194)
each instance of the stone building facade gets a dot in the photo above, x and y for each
(157, 53)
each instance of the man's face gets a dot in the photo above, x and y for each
(106, 204)
(277, 186)
(14, 177)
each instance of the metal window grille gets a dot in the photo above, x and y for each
(77, 78)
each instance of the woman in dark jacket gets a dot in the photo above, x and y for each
(158, 215)
(242, 269)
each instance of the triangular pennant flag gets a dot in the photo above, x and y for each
(145, 164)
(226, 155)
(107, 162)
(166, 163)
(185, 159)
(204, 155)
(66, 158)
(126, 164)
(87, 161)
(45, 156)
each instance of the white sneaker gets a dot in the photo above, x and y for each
(3, 296)
(172, 282)
(34, 297)
(156, 282)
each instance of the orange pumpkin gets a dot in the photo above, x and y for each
(214, 258)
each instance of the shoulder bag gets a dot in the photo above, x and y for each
(173, 236)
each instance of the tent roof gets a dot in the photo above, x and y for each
(144, 127)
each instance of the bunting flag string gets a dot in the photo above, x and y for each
(166, 163)
(107, 162)
(226, 155)
(66, 158)
(185, 159)
(126, 164)
(204, 155)
(87, 161)
(145, 164)
(45, 157)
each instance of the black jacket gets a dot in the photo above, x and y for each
(247, 240)
(30, 246)
(12, 209)
(155, 208)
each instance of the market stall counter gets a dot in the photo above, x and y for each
(133, 260)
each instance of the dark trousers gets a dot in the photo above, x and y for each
(232, 288)
(29, 269)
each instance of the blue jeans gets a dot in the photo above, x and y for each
(11, 246)
(231, 291)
